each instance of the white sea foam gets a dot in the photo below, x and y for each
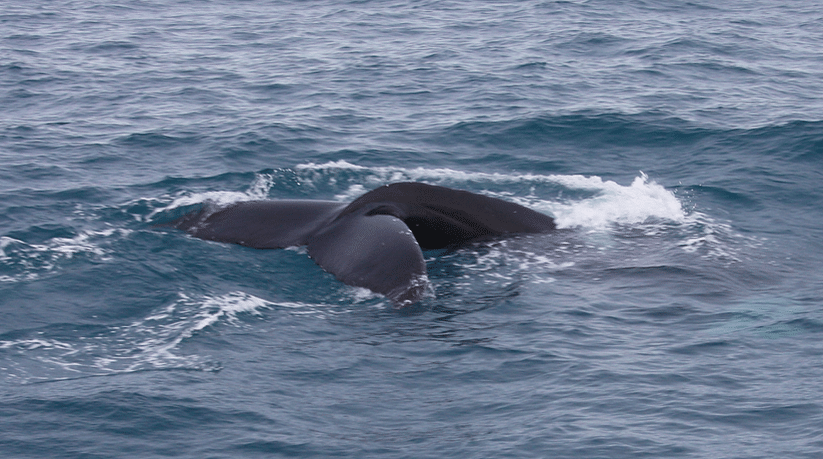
(162, 332)
(616, 204)
(351, 193)
(382, 175)
(6, 241)
(611, 203)
(259, 189)
(83, 242)
(716, 240)
(150, 343)
(30, 260)
(504, 262)
(35, 343)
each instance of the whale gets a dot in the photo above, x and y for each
(377, 240)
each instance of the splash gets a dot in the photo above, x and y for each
(259, 189)
(607, 202)
(587, 203)
(639, 202)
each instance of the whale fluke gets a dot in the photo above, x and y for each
(375, 241)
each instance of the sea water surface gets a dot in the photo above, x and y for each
(677, 311)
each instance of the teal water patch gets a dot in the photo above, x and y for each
(768, 318)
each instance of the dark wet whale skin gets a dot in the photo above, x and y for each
(375, 241)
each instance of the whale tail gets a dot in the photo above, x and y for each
(377, 252)
(376, 241)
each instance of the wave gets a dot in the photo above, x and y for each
(151, 343)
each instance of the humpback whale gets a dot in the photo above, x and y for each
(376, 241)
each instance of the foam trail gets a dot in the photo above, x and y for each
(610, 204)
(150, 343)
(166, 330)
(146, 344)
(382, 175)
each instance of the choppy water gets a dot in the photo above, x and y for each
(676, 313)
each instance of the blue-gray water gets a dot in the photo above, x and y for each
(677, 313)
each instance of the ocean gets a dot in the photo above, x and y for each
(676, 312)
